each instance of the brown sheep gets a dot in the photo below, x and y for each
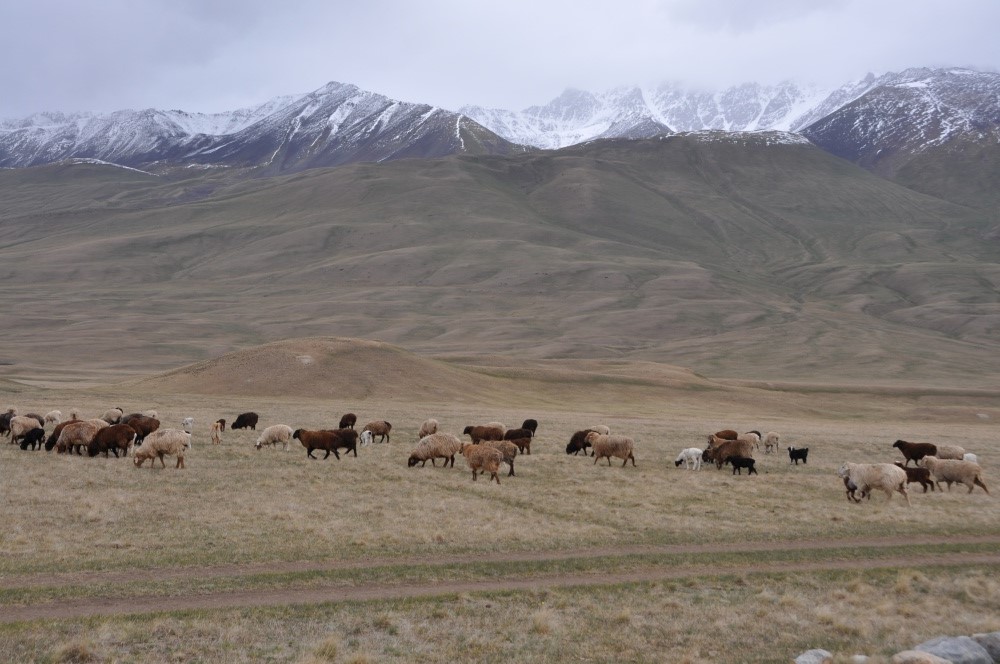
(921, 475)
(520, 437)
(327, 440)
(482, 459)
(111, 439)
(915, 451)
(719, 450)
(348, 421)
(379, 428)
(483, 432)
(143, 426)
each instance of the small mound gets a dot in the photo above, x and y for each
(323, 367)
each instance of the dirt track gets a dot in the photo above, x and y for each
(378, 591)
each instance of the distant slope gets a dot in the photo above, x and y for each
(742, 255)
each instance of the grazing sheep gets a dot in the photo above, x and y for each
(33, 438)
(690, 457)
(915, 451)
(483, 459)
(531, 424)
(328, 441)
(727, 434)
(112, 439)
(742, 462)
(143, 426)
(113, 415)
(720, 449)
(274, 434)
(601, 429)
(950, 452)
(245, 421)
(521, 438)
(578, 442)
(771, 439)
(379, 428)
(77, 435)
(508, 451)
(794, 454)
(754, 437)
(348, 421)
(868, 476)
(150, 413)
(216, 431)
(20, 425)
(53, 417)
(955, 470)
(920, 475)
(484, 432)
(161, 443)
(427, 428)
(435, 446)
(607, 446)
(188, 424)
(50, 443)
(969, 456)
(5, 420)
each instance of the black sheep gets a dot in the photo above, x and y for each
(33, 438)
(796, 454)
(245, 420)
(742, 462)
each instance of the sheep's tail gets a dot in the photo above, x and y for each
(979, 482)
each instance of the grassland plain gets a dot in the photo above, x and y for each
(252, 555)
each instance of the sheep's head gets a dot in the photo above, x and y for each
(678, 463)
(844, 470)
(898, 443)
(413, 460)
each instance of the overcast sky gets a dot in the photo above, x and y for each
(216, 55)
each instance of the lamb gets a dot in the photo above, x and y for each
(348, 421)
(969, 456)
(20, 425)
(742, 462)
(483, 459)
(34, 438)
(367, 438)
(53, 417)
(719, 450)
(111, 439)
(508, 450)
(771, 439)
(113, 415)
(868, 476)
(427, 428)
(274, 434)
(216, 431)
(77, 435)
(794, 454)
(188, 424)
(921, 475)
(915, 451)
(327, 440)
(521, 438)
(245, 421)
(160, 443)
(851, 488)
(955, 470)
(607, 446)
(435, 446)
(578, 442)
(531, 424)
(690, 457)
(143, 426)
(379, 428)
(484, 432)
(950, 452)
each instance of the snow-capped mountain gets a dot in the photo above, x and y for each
(333, 125)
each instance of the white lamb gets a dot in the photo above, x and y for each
(690, 457)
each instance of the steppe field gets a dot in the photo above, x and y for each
(248, 556)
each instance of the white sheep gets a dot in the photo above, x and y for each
(435, 446)
(950, 452)
(607, 446)
(187, 424)
(427, 428)
(954, 470)
(969, 456)
(75, 436)
(162, 442)
(690, 457)
(367, 438)
(274, 434)
(53, 417)
(867, 476)
(771, 442)
(20, 425)
(753, 437)
(113, 416)
(601, 429)
(151, 413)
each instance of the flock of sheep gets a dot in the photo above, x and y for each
(489, 446)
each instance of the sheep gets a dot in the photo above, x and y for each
(607, 446)
(244, 421)
(150, 413)
(921, 475)
(483, 459)
(578, 442)
(20, 425)
(379, 428)
(521, 438)
(50, 443)
(34, 438)
(742, 462)
(53, 417)
(435, 446)
(111, 439)
(601, 429)
(851, 488)
(274, 434)
(508, 450)
(727, 434)
(484, 432)
(113, 415)
(719, 450)
(794, 454)
(327, 440)
(531, 424)
(950, 452)
(143, 426)
(5, 419)
(771, 439)
(427, 428)
(187, 424)
(367, 438)
(753, 436)
(690, 457)
(868, 476)
(348, 421)
(915, 451)
(38, 418)
(77, 435)
(216, 431)
(160, 443)
(955, 470)
(969, 456)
